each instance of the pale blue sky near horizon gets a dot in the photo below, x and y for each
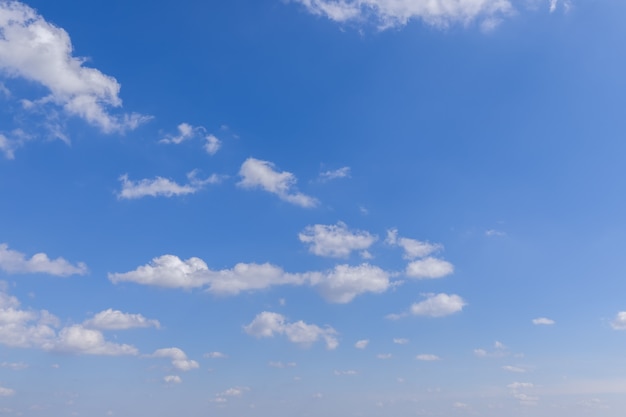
(312, 207)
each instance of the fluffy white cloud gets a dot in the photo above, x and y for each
(435, 305)
(335, 241)
(267, 324)
(256, 173)
(427, 357)
(361, 344)
(178, 357)
(393, 13)
(34, 49)
(163, 187)
(335, 174)
(80, 340)
(212, 145)
(172, 379)
(619, 322)
(345, 282)
(339, 285)
(116, 320)
(547, 322)
(429, 268)
(15, 262)
(412, 248)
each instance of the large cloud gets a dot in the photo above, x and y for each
(267, 324)
(15, 262)
(33, 49)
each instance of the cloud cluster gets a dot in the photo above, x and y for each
(427, 267)
(35, 50)
(256, 173)
(267, 324)
(394, 13)
(335, 241)
(15, 262)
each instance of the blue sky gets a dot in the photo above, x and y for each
(312, 207)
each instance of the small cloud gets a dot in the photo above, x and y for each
(15, 366)
(338, 173)
(427, 357)
(212, 144)
(619, 322)
(178, 357)
(172, 379)
(494, 233)
(401, 341)
(384, 356)
(361, 344)
(514, 369)
(335, 241)
(215, 355)
(6, 392)
(348, 372)
(543, 321)
(267, 324)
(281, 365)
(15, 262)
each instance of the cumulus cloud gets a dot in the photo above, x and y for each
(80, 340)
(178, 357)
(212, 144)
(361, 344)
(619, 322)
(394, 13)
(35, 50)
(256, 173)
(429, 268)
(545, 321)
(15, 262)
(335, 174)
(412, 248)
(435, 305)
(426, 357)
(186, 131)
(116, 320)
(223, 396)
(339, 285)
(163, 187)
(172, 379)
(345, 282)
(335, 241)
(267, 324)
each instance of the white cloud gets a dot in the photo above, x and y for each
(384, 356)
(15, 262)
(345, 282)
(16, 366)
(79, 340)
(163, 187)
(116, 320)
(6, 392)
(619, 322)
(494, 233)
(547, 322)
(339, 285)
(35, 50)
(222, 397)
(401, 341)
(185, 131)
(394, 13)
(216, 355)
(335, 241)
(282, 365)
(349, 372)
(426, 357)
(520, 385)
(212, 145)
(514, 369)
(335, 174)
(361, 344)
(178, 357)
(435, 305)
(499, 351)
(412, 248)
(256, 173)
(267, 324)
(429, 268)
(172, 379)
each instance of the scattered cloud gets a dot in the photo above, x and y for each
(395, 13)
(186, 132)
(435, 305)
(384, 356)
(343, 283)
(520, 385)
(547, 322)
(429, 268)
(619, 322)
(15, 366)
(163, 187)
(216, 355)
(80, 340)
(499, 351)
(335, 174)
(361, 344)
(335, 241)
(349, 372)
(35, 50)
(172, 379)
(178, 357)
(212, 144)
(494, 233)
(116, 320)
(6, 392)
(401, 341)
(281, 365)
(514, 369)
(267, 324)
(427, 357)
(256, 173)
(412, 248)
(15, 262)
(222, 397)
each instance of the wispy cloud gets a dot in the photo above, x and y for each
(163, 187)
